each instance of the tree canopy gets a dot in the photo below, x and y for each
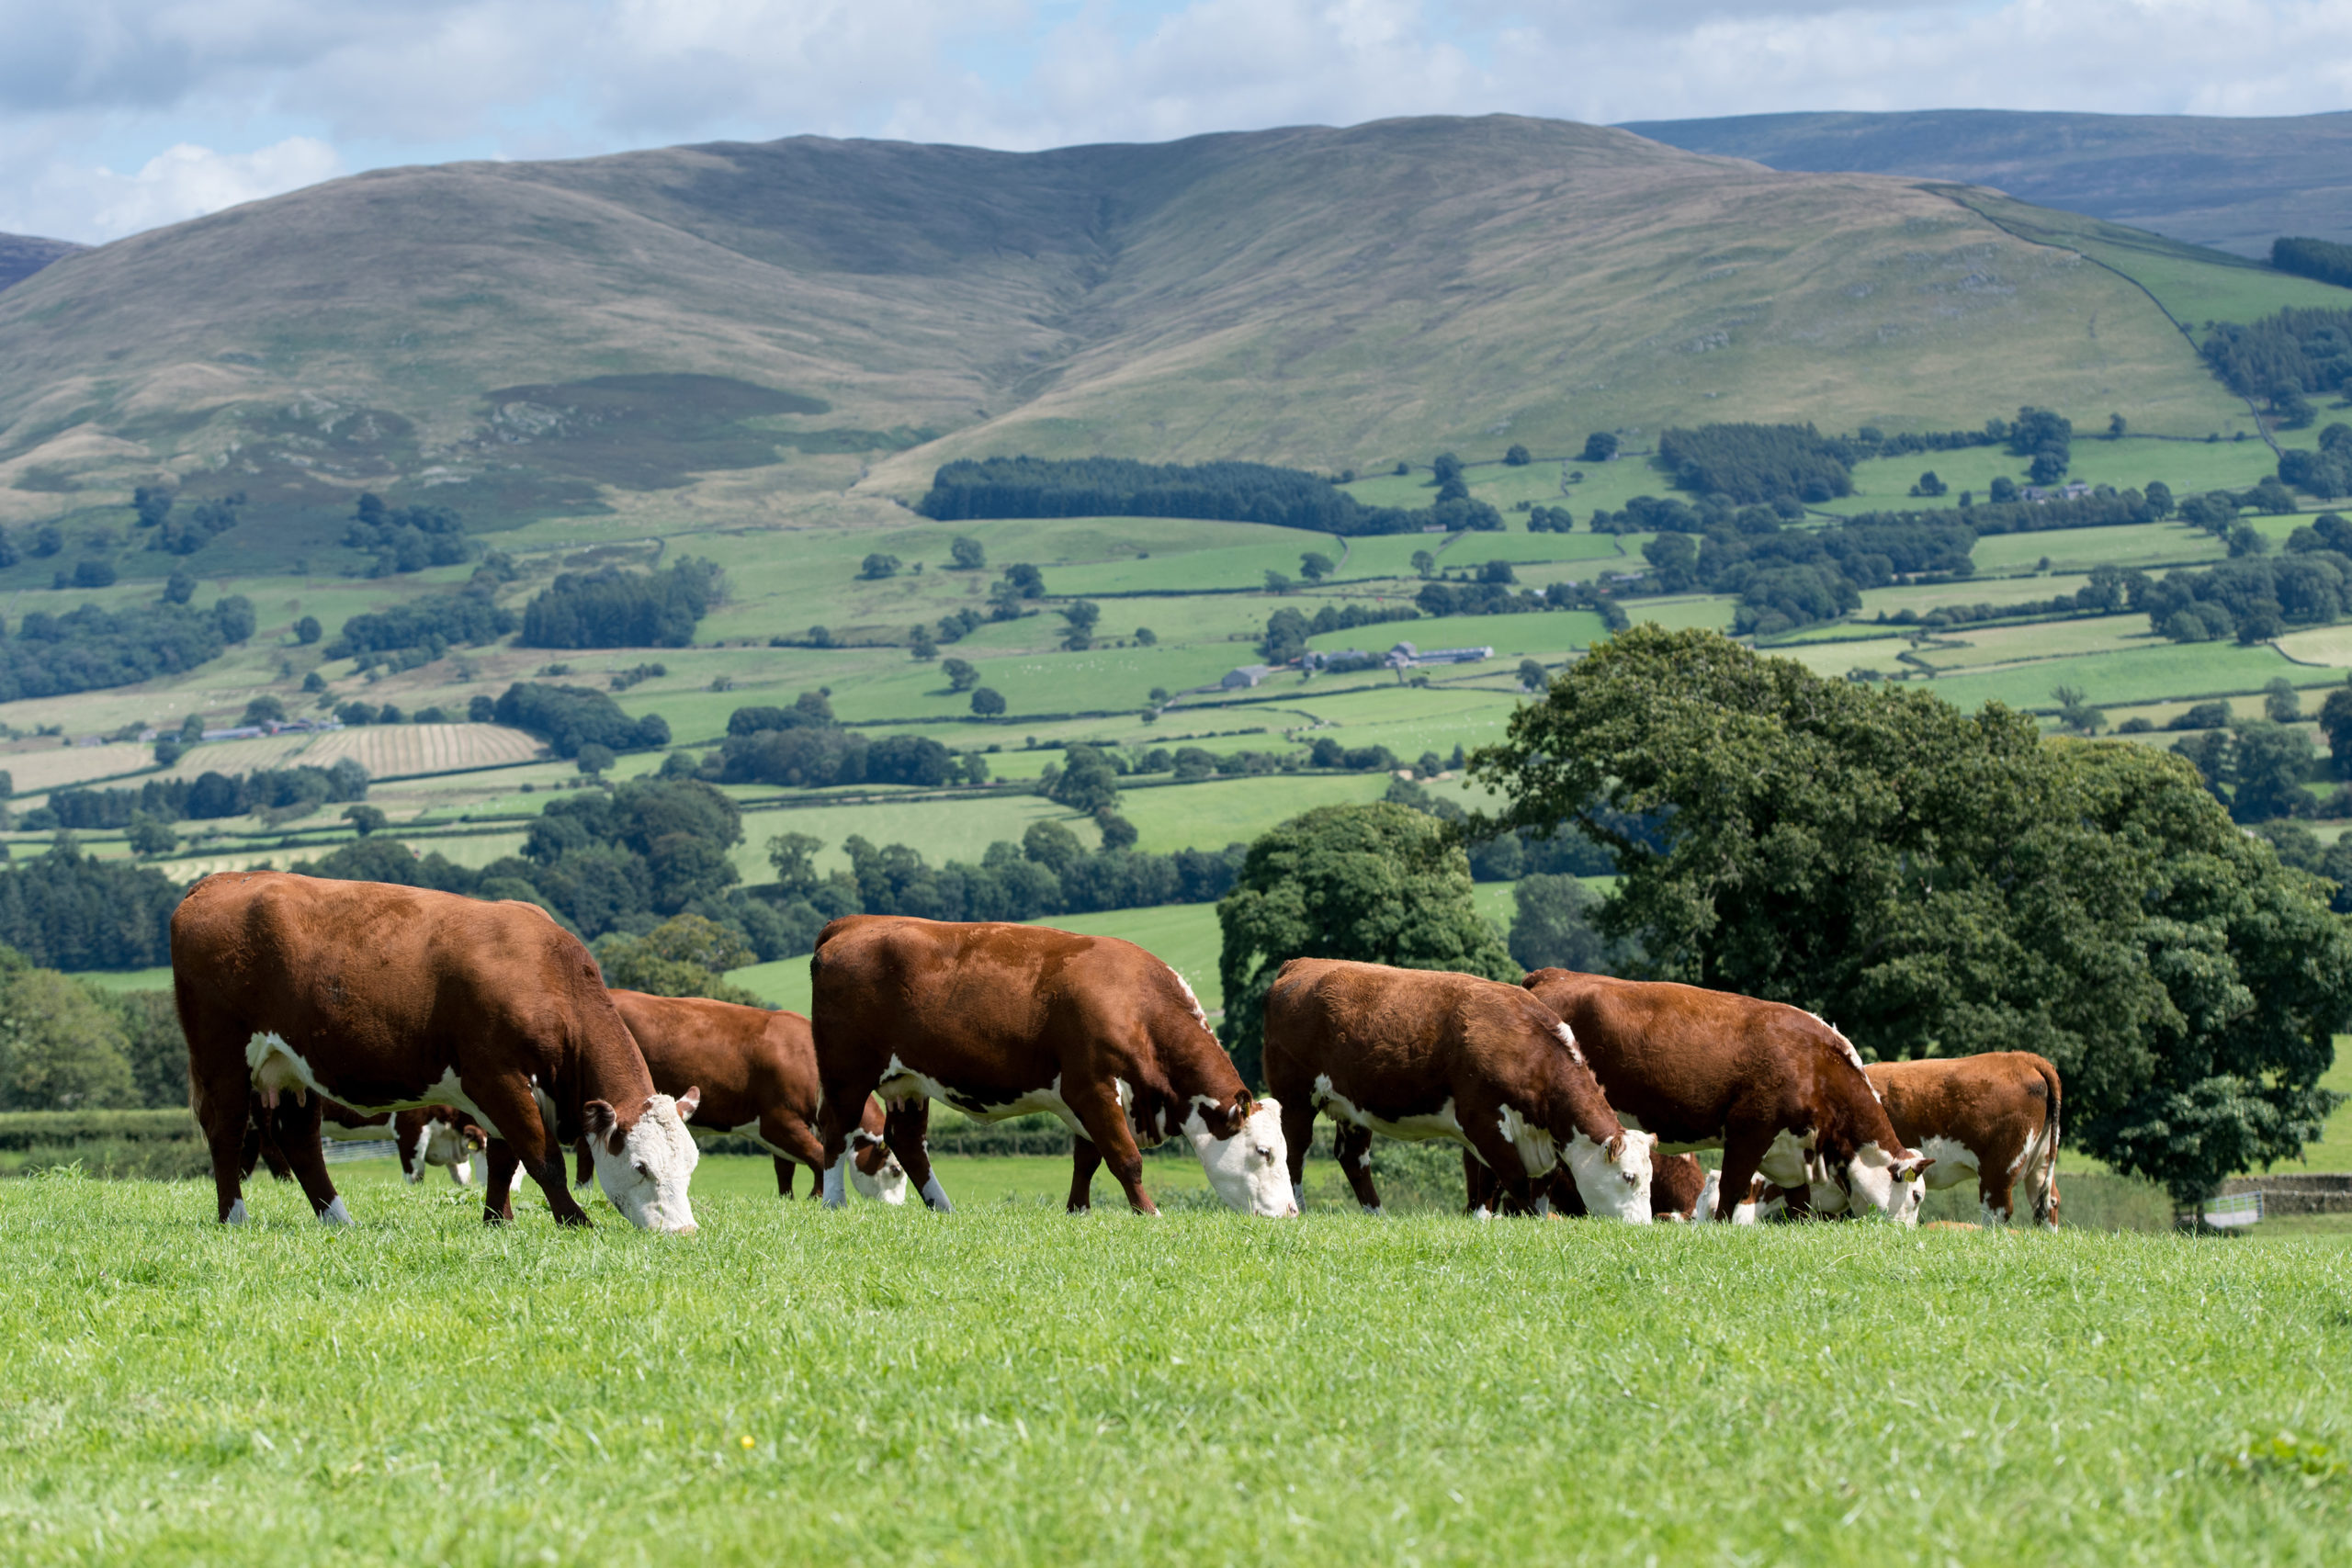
(1940, 883)
(1376, 883)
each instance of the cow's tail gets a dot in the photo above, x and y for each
(2041, 1153)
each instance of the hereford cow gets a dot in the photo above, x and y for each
(1773, 1087)
(1994, 1117)
(1003, 1019)
(757, 1070)
(1680, 1186)
(1422, 1054)
(293, 989)
(429, 1135)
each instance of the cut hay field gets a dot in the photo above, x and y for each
(1332, 1390)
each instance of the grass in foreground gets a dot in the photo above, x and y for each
(1013, 1385)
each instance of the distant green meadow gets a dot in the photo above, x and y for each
(1011, 1384)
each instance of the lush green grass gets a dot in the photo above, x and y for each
(2079, 549)
(1045, 1389)
(2163, 670)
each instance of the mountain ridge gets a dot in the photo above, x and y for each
(2229, 183)
(1327, 298)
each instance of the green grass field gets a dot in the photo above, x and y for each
(1011, 1384)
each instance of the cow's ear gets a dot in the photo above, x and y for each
(597, 1119)
(689, 1102)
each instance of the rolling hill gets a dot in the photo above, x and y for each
(2230, 184)
(21, 255)
(749, 332)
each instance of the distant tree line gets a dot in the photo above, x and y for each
(2284, 359)
(207, 796)
(801, 747)
(64, 911)
(611, 608)
(2323, 260)
(90, 649)
(568, 718)
(424, 629)
(1753, 463)
(1288, 629)
(405, 538)
(2326, 473)
(189, 531)
(1871, 442)
(1050, 872)
(1237, 493)
(2251, 598)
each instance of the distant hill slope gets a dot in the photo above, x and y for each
(745, 330)
(21, 255)
(2230, 184)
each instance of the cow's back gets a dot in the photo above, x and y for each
(1967, 1096)
(744, 1059)
(370, 968)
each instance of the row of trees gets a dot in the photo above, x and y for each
(2322, 259)
(1287, 629)
(90, 649)
(1238, 492)
(2286, 360)
(2251, 598)
(1755, 463)
(207, 797)
(569, 718)
(426, 628)
(68, 1046)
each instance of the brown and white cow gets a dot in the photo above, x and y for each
(429, 1135)
(757, 1070)
(1679, 1186)
(1994, 1117)
(1001, 1021)
(1773, 1087)
(293, 989)
(1424, 1053)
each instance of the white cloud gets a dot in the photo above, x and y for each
(181, 181)
(414, 80)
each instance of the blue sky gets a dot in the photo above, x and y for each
(120, 115)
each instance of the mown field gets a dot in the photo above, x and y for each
(1009, 1385)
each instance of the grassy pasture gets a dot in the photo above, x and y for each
(2146, 674)
(2079, 549)
(1338, 1389)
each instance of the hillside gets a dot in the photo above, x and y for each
(740, 332)
(2230, 184)
(21, 255)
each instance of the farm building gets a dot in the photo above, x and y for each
(1405, 656)
(1245, 675)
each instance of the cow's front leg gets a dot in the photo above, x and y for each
(905, 1127)
(1352, 1146)
(1085, 1159)
(1105, 1122)
(500, 1169)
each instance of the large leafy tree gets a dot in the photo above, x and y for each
(1940, 883)
(1376, 883)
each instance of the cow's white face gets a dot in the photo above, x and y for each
(1880, 1184)
(1614, 1186)
(1250, 1170)
(888, 1182)
(645, 1170)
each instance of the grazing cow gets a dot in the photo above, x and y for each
(295, 990)
(757, 1070)
(429, 1135)
(1679, 1189)
(1994, 1117)
(1003, 1019)
(1422, 1054)
(1773, 1087)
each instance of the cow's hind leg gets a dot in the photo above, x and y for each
(785, 1170)
(499, 1169)
(295, 1127)
(1995, 1199)
(797, 1143)
(1744, 1150)
(905, 1127)
(222, 1103)
(1085, 1159)
(840, 1110)
(1352, 1146)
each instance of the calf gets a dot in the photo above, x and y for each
(1422, 1054)
(757, 1070)
(1003, 1019)
(1995, 1117)
(1773, 1087)
(295, 990)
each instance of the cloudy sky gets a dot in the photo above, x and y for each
(120, 115)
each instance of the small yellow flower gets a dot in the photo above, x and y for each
(746, 1441)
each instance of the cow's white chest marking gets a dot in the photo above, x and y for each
(1955, 1163)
